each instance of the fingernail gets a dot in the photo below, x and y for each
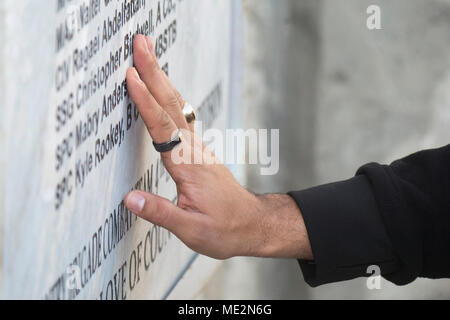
(135, 202)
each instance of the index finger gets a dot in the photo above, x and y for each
(159, 124)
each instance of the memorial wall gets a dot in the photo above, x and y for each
(73, 144)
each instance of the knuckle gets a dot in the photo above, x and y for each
(152, 124)
(171, 102)
(164, 120)
(179, 98)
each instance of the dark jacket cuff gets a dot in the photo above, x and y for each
(346, 232)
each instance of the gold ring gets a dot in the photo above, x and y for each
(189, 113)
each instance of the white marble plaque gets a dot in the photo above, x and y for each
(73, 145)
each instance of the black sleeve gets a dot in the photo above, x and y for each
(395, 217)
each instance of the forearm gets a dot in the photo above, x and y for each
(282, 231)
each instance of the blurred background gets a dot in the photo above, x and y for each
(342, 96)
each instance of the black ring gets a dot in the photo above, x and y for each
(170, 145)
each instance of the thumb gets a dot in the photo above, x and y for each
(161, 212)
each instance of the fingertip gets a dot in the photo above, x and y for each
(140, 50)
(132, 74)
(126, 198)
(135, 202)
(140, 42)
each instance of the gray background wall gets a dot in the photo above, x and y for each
(342, 96)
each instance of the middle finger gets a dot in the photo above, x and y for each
(156, 82)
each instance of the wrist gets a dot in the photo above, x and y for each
(281, 231)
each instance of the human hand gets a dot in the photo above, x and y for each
(214, 216)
